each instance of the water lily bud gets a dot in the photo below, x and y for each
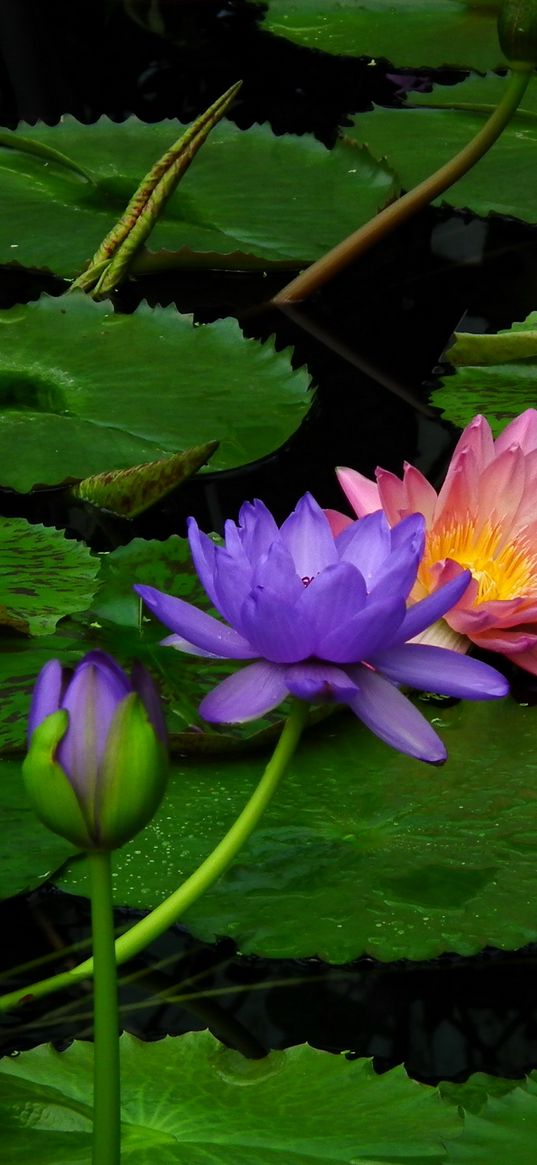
(517, 31)
(96, 767)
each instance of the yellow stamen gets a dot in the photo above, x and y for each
(502, 569)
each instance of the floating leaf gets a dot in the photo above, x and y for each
(415, 142)
(191, 1099)
(43, 576)
(273, 199)
(409, 33)
(362, 850)
(84, 391)
(30, 853)
(129, 492)
(504, 1130)
(495, 375)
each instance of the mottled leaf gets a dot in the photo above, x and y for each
(43, 576)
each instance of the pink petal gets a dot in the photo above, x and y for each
(421, 497)
(338, 522)
(362, 493)
(460, 491)
(477, 438)
(501, 488)
(527, 660)
(525, 521)
(523, 430)
(500, 613)
(506, 641)
(393, 496)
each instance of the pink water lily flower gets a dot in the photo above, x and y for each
(483, 519)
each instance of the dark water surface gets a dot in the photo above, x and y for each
(373, 342)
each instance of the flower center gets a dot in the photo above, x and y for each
(307, 580)
(502, 569)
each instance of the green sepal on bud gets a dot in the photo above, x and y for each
(517, 32)
(134, 776)
(51, 794)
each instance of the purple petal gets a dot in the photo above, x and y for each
(233, 583)
(276, 570)
(307, 535)
(330, 603)
(276, 630)
(394, 719)
(181, 644)
(47, 694)
(247, 694)
(409, 529)
(143, 683)
(366, 544)
(234, 545)
(197, 627)
(420, 615)
(257, 529)
(435, 669)
(368, 632)
(203, 553)
(398, 574)
(91, 699)
(319, 683)
(107, 667)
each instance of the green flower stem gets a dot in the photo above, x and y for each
(418, 198)
(106, 1111)
(154, 924)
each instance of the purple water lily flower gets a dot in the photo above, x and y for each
(325, 619)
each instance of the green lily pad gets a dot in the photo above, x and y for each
(43, 576)
(30, 853)
(362, 850)
(247, 196)
(494, 374)
(410, 33)
(84, 391)
(415, 142)
(191, 1099)
(505, 1129)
